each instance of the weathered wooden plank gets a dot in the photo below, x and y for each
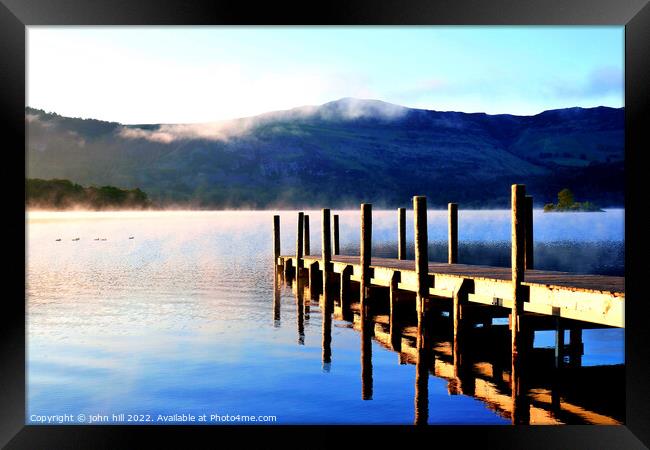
(307, 242)
(421, 249)
(336, 234)
(401, 233)
(596, 283)
(452, 257)
(299, 242)
(326, 247)
(590, 298)
(276, 239)
(528, 257)
(595, 308)
(365, 249)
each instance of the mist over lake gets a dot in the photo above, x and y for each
(180, 319)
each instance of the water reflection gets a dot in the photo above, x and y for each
(299, 291)
(423, 364)
(475, 360)
(367, 332)
(277, 285)
(327, 306)
(178, 319)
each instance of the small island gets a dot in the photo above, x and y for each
(567, 203)
(62, 194)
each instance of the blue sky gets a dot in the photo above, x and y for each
(204, 74)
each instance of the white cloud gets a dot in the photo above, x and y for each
(345, 109)
(92, 79)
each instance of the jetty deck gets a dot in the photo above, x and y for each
(596, 299)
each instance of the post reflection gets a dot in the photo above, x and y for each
(464, 381)
(277, 281)
(424, 361)
(327, 307)
(306, 306)
(313, 286)
(518, 378)
(345, 293)
(367, 331)
(394, 322)
(299, 290)
(520, 401)
(473, 360)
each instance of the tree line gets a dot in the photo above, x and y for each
(566, 202)
(64, 194)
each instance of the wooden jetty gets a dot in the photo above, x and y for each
(595, 299)
(471, 294)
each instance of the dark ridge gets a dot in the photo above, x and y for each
(345, 152)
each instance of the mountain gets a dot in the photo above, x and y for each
(340, 154)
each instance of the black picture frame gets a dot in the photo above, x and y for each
(15, 15)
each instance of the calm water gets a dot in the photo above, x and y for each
(180, 319)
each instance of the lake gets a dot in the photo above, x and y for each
(168, 317)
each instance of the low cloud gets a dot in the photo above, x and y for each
(353, 108)
(29, 118)
(344, 109)
(214, 131)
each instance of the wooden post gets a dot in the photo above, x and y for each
(559, 343)
(336, 234)
(287, 270)
(299, 238)
(344, 295)
(530, 245)
(276, 240)
(276, 297)
(365, 249)
(401, 233)
(453, 233)
(326, 247)
(457, 317)
(313, 270)
(576, 347)
(421, 250)
(459, 321)
(517, 257)
(307, 240)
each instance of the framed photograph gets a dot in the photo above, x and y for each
(418, 218)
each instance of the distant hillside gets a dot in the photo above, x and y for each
(63, 194)
(340, 154)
